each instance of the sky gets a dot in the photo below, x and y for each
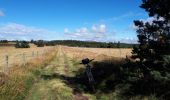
(92, 20)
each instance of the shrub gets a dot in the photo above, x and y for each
(22, 44)
(40, 43)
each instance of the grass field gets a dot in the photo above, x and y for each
(20, 55)
(60, 76)
(16, 55)
(114, 52)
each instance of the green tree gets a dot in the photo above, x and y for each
(154, 45)
(22, 44)
(118, 44)
(154, 37)
(40, 43)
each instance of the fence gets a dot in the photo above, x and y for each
(8, 60)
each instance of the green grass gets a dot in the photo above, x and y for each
(55, 88)
(17, 87)
(21, 79)
(50, 90)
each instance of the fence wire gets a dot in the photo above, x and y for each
(9, 60)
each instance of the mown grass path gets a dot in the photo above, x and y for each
(53, 88)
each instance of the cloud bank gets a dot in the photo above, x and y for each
(14, 31)
(95, 33)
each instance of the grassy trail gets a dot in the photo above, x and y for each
(50, 88)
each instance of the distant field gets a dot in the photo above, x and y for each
(18, 55)
(113, 52)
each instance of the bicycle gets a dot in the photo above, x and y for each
(86, 62)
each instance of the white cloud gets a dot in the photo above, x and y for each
(19, 31)
(125, 15)
(66, 30)
(102, 28)
(89, 34)
(94, 28)
(1, 13)
(128, 40)
(131, 27)
(82, 30)
(99, 29)
(151, 19)
(121, 17)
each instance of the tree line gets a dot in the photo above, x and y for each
(73, 43)
(77, 43)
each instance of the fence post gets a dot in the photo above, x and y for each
(23, 57)
(7, 64)
(37, 53)
(120, 52)
(33, 54)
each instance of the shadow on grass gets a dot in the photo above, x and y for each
(111, 76)
(106, 75)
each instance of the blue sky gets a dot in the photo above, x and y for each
(94, 20)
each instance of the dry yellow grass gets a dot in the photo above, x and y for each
(19, 55)
(15, 85)
(16, 55)
(96, 53)
(114, 52)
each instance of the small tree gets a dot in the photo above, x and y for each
(118, 44)
(40, 43)
(110, 45)
(22, 44)
(32, 41)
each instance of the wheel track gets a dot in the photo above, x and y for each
(59, 65)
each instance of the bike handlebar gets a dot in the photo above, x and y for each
(91, 60)
(86, 61)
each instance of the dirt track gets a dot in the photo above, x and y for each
(52, 88)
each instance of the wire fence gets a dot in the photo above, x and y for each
(8, 60)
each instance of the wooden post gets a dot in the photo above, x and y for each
(7, 64)
(33, 54)
(37, 53)
(120, 52)
(23, 57)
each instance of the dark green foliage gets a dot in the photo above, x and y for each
(118, 44)
(50, 43)
(32, 41)
(22, 44)
(157, 7)
(3, 41)
(151, 73)
(40, 43)
(76, 43)
(110, 45)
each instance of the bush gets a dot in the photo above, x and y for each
(22, 44)
(3, 41)
(40, 43)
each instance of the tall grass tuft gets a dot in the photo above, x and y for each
(16, 84)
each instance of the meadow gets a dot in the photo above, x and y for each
(20, 56)
(58, 75)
